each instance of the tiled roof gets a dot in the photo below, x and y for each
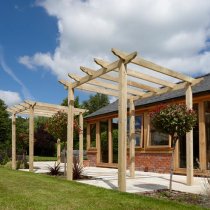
(202, 87)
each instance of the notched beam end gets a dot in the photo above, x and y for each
(85, 70)
(125, 57)
(72, 76)
(100, 62)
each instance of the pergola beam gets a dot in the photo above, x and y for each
(102, 71)
(138, 75)
(116, 79)
(166, 89)
(107, 85)
(92, 88)
(147, 64)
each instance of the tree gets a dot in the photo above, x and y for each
(22, 135)
(44, 141)
(76, 102)
(5, 133)
(96, 102)
(57, 126)
(175, 120)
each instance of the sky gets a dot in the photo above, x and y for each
(41, 41)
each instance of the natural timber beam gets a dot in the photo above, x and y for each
(129, 82)
(13, 141)
(122, 133)
(138, 75)
(95, 89)
(85, 70)
(147, 64)
(110, 142)
(31, 139)
(70, 131)
(189, 139)
(102, 71)
(167, 89)
(126, 58)
(132, 139)
(107, 85)
(81, 138)
(58, 151)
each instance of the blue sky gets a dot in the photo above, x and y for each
(41, 41)
(25, 29)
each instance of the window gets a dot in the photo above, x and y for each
(158, 138)
(92, 135)
(138, 130)
(207, 122)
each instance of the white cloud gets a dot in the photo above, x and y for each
(10, 98)
(172, 33)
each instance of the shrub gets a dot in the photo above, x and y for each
(8, 165)
(77, 169)
(55, 170)
(22, 164)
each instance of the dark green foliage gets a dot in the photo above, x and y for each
(5, 133)
(174, 119)
(54, 170)
(96, 102)
(5, 123)
(22, 135)
(45, 144)
(22, 164)
(76, 102)
(77, 169)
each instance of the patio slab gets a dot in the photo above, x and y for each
(143, 181)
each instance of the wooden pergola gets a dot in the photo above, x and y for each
(126, 89)
(32, 109)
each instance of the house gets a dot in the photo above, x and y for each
(152, 149)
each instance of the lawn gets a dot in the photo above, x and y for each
(42, 158)
(24, 190)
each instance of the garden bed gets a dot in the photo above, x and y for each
(182, 197)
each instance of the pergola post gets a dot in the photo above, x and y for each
(110, 143)
(122, 130)
(98, 143)
(31, 138)
(58, 151)
(189, 139)
(81, 138)
(88, 137)
(14, 141)
(132, 139)
(70, 130)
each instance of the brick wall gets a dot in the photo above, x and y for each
(154, 162)
(91, 156)
(159, 162)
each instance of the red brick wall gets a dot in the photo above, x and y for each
(92, 158)
(159, 162)
(154, 162)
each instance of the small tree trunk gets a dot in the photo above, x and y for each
(174, 140)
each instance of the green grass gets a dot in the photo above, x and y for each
(24, 190)
(41, 158)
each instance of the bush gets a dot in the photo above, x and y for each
(8, 165)
(77, 169)
(22, 164)
(54, 170)
(4, 158)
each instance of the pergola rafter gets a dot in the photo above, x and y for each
(90, 83)
(32, 109)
